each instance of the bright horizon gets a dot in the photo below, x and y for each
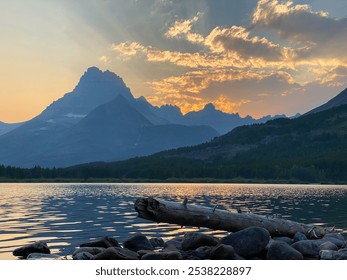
(249, 57)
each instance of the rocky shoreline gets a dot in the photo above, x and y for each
(253, 243)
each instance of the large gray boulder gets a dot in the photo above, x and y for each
(308, 248)
(248, 242)
(194, 240)
(282, 251)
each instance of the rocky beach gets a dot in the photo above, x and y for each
(252, 243)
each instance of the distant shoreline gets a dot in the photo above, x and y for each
(169, 180)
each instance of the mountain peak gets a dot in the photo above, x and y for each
(94, 88)
(209, 107)
(93, 70)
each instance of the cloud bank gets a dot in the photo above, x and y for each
(290, 44)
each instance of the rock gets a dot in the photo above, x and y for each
(222, 252)
(163, 256)
(332, 255)
(248, 242)
(328, 246)
(194, 240)
(203, 252)
(40, 256)
(37, 247)
(138, 242)
(91, 250)
(83, 256)
(105, 242)
(339, 243)
(239, 258)
(115, 253)
(284, 239)
(144, 252)
(157, 242)
(174, 244)
(335, 235)
(308, 248)
(282, 251)
(299, 236)
(344, 250)
(190, 255)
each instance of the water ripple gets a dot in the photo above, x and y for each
(65, 215)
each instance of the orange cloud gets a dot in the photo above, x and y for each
(230, 54)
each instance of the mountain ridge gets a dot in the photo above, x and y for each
(98, 120)
(308, 149)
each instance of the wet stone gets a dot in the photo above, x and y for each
(332, 255)
(284, 239)
(83, 256)
(299, 236)
(137, 243)
(115, 253)
(282, 251)
(194, 240)
(40, 256)
(174, 244)
(308, 248)
(335, 235)
(37, 247)
(328, 246)
(105, 242)
(248, 242)
(90, 250)
(339, 243)
(203, 252)
(157, 242)
(222, 252)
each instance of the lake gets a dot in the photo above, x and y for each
(65, 215)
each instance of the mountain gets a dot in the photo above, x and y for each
(340, 99)
(7, 127)
(99, 120)
(222, 122)
(311, 148)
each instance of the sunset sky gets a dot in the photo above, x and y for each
(255, 57)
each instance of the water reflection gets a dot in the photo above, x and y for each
(66, 215)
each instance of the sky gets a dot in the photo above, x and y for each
(254, 57)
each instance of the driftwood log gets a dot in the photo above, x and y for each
(185, 214)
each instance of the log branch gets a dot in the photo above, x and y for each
(185, 214)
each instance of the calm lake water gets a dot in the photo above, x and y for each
(65, 215)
